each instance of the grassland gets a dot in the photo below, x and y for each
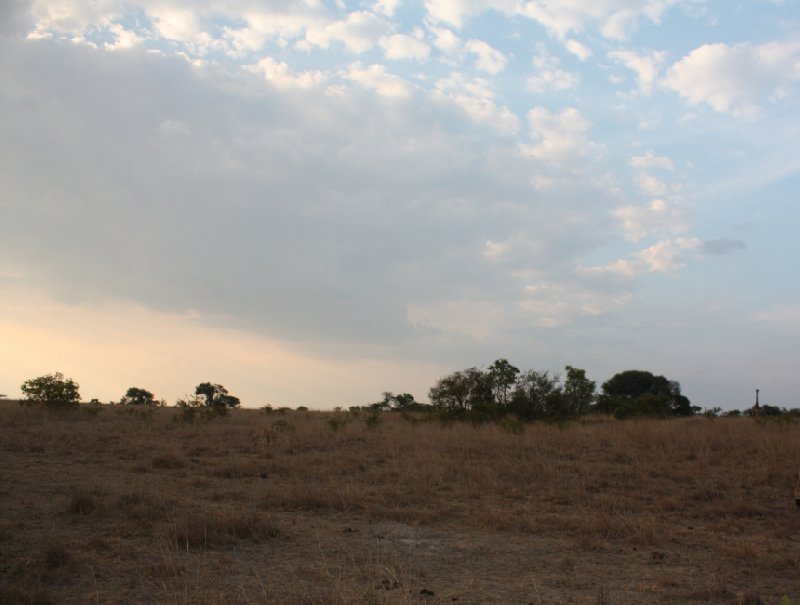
(327, 508)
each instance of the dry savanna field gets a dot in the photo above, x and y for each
(143, 506)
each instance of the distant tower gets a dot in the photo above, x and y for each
(756, 407)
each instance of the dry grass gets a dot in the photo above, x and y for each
(327, 508)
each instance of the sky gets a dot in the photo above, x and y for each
(312, 202)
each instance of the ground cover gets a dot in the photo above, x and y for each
(124, 505)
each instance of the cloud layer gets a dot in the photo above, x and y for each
(447, 182)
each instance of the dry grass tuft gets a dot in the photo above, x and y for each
(82, 504)
(212, 529)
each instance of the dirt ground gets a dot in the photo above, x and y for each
(149, 507)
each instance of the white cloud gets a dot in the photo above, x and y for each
(494, 250)
(659, 217)
(376, 77)
(359, 32)
(123, 38)
(283, 23)
(650, 184)
(488, 59)
(476, 98)
(445, 40)
(578, 49)
(651, 160)
(175, 24)
(645, 66)
(616, 19)
(453, 12)
(244, 40)
(282, 76)
(665, 256)
(736, 79)
(559, 136)
(402, 46)
(668, 254)
(386, 7)
(549, 75)
(72, 16)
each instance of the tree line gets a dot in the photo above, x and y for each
(476, 394)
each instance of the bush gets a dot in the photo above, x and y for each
(52, 391)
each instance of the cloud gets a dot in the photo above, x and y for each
(578, 49)
(554, 305)
(386, 7)
(559, 136)
(722, 246)
(488, 59)
(476, 98)
(282, 76)
(123, 38)
(549, 75)
(651, 160)
(646, 67)
(402, 46)
(175, 24)
(15, 18)
(659, 217)
(668, 254)
(652, 186)
(736, 79)
(358, 32)
(615, 19)
(445, 40)
(377, 78)
(453, 12)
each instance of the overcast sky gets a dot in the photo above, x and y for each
(312, 202)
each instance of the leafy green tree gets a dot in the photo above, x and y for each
(640, 393)
(137, 396)
(51, 390)
(578, 390)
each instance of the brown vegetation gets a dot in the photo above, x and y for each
(325, 508)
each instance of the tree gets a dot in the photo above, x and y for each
(402, 402)
(640, 393)
(502, 378)
(137, 396)
(461, 391)
(51, 390)
(216, 396)
(578, 390)
(529, 401)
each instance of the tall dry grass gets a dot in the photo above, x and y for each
(151, 508)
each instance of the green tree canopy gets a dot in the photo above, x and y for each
(51, 390)
(641, 393)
